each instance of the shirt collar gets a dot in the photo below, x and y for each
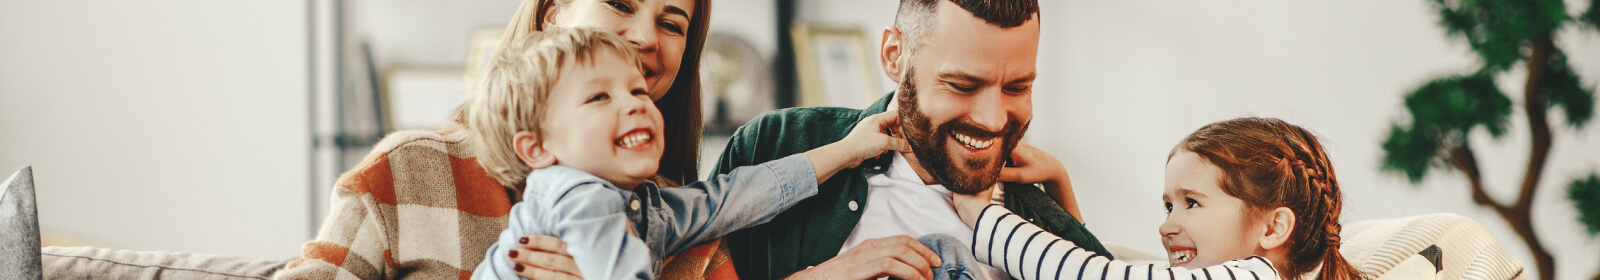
(880, 164)
(558, 178)
(900, 170)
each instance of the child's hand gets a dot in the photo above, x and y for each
(1030, 165)
(968, 207)
(867, 140)
(870, 138)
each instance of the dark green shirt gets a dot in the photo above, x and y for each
(814, 230)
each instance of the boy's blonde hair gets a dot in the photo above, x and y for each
(511, 95)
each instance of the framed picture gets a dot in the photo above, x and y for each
(836, 67)
(422, 97)
(479, 49)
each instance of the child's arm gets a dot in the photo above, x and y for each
(590, 218)
(1005, 241)
(865, 141)
(753, 195)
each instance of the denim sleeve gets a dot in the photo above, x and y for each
(590, 219)
(745, 197)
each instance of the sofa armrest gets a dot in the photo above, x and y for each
(1469, 251)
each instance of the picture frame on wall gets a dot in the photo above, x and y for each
(836, 67)
(479, 48)
(421, 97)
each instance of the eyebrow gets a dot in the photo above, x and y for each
(968, 77)
(1023, 79)
(1189, 192)
(679, 11)
(963, 76)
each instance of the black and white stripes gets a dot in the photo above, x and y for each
(1027, 252)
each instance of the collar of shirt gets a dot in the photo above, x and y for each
(554, 181)
(900, 170)
(897, 205)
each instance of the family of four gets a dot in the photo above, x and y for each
(587, 120)
(576, 111)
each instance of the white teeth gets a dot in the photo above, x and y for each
(1180, 257)
(971, 143)
(633, 139)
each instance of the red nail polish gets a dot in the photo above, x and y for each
(518, 268)
(523, 240)
(513, 253)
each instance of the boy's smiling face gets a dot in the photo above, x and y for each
(601, 120)
(1204, 226)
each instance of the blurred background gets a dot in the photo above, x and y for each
(219, 126)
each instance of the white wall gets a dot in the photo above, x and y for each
(420, 32)
(161, 125)
(1123, 81)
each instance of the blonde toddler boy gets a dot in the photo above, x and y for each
(566, 114)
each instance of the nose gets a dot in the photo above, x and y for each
(641, 33)
(988, 111)
(635, 105)
(1169, 228)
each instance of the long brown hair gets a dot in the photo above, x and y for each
(680, 107)
(1269, 163)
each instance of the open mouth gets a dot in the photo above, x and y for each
(975, 143)
(1180, 256)
(634, 138)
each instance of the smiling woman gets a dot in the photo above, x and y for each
(390, 215)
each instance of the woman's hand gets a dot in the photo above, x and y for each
(544, 257)
(968, 207)
(1030, 165)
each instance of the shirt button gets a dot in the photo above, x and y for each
(854, 206)
(634, 205)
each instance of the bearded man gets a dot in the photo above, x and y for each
(966, 70)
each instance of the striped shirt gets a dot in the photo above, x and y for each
(1005, 241)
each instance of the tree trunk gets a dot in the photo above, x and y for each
(1534, 104)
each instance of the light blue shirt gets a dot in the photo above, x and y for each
(592, 216)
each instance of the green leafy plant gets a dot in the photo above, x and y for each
(1445, 111)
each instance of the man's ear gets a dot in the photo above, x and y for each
(1279, 226)
(889, 53)
(531, 150)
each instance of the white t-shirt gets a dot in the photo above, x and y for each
(898, 203)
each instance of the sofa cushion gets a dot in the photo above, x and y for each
(105, 263)
(1466, 249)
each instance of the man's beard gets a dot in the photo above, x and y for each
(928, 144)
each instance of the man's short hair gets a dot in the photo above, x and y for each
(915, 17)
(512, 94)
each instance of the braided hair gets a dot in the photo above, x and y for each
(1269, 163)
